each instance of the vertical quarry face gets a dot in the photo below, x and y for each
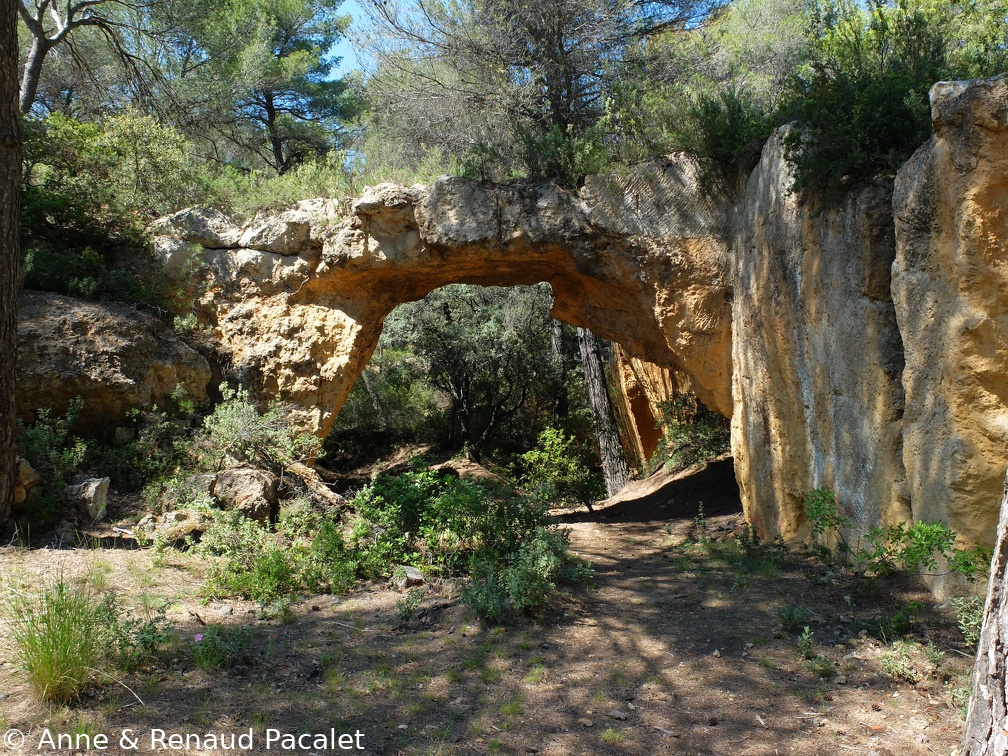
(950, 286)
(817, 354)
(297, 300)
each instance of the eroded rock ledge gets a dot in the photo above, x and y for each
(298, 300)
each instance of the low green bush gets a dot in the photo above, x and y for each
(920, 547)
(557, 471)
(215, 648)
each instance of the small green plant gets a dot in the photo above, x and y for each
(214, 648)
(48, 445)
(821, 666)
(700, 524)
(611, 736)
(794, 617)
(897, 663)
(969, 612)
(805, 643)
(409, 604)
(61, 635)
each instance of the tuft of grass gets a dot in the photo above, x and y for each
(793, 618)
(611, 736)
(898, 665)
(61, 636)
(215, 648)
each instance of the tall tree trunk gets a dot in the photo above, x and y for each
(563, 398)
(10, 211)
(32, 73)
(987, 717)
(614, 464)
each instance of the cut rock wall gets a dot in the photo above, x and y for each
(817, 355)
(950, 285)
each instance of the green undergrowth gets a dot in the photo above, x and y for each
(510, 554)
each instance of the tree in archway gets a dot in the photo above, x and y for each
(614, 464)
(486, 348)
(10, 203)
(987, 716)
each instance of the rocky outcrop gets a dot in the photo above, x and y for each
(950, 286)
(639, 391)
(640, 261)
(817, 355)
(113, 357)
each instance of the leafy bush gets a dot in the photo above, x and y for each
(47, 443)
(238, 430)
(969, 612)
(726, 130)
(917, 547)
(556, 471)
(214, 648)
(794, 618)
(691, 434)
(862, 104)
(897, 663)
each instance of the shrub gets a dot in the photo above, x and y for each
(794, 617)
(969, 612)
(214, 648)
(862, 105)
(47, 442)
(557, 471)
(61, 635)
(238, 430)
(897, 663)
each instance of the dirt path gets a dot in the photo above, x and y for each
(677, 649)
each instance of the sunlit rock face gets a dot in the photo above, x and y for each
(950, 286)
(817, 354)
(640, 260)
(112, 356)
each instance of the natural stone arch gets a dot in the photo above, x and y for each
(298, 302)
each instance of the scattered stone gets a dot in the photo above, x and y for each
(617, 714)
(717, 653)
(585, 722)
(407, 577)
(841, 680)
(89, 496)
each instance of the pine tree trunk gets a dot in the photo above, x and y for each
(10, 211)
(614, 464)
(987, 717)
(557, 338)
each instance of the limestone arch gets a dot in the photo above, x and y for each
(641, 260)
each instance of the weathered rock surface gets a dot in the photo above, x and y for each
(640, 261)
(639, 390)
(176, 528)
(25, 479)
(89, 497)
(114, 357)
(817, 355)
(950, 286)
(248, 490)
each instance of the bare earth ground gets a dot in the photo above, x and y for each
(674, 650)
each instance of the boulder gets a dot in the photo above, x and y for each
(112, 356)
(950, 286)
(175, 528)
(24, 481)
(405, 577)
(88, 497)
(248, 490)
(817, 355)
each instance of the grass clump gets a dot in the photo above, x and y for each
(66, 633)
(794, 617)
(897, 663)
(215, 648)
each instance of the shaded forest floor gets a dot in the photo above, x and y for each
(678, 648)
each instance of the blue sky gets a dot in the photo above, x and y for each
(348, 58)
